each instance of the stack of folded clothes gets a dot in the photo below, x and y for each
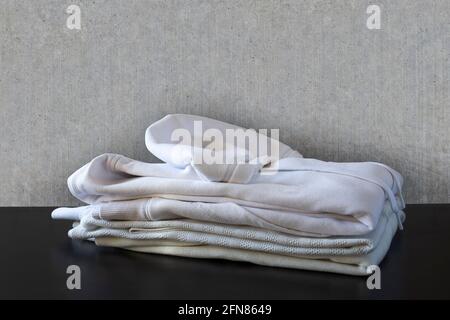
(300, 213)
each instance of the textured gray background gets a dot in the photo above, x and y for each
(336, 90)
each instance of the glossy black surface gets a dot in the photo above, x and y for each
(35, 252)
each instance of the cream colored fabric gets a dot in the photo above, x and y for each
(208, 240)
(351, 265)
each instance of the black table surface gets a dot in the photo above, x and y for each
(35, 253)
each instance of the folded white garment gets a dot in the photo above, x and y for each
(309, 188)
(157, 209)
(165, 140)
(358, 266)
(209, 240)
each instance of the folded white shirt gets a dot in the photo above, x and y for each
(202, 239)
(350, 196)
(157, 209)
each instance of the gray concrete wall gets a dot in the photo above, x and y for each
(336, 90)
